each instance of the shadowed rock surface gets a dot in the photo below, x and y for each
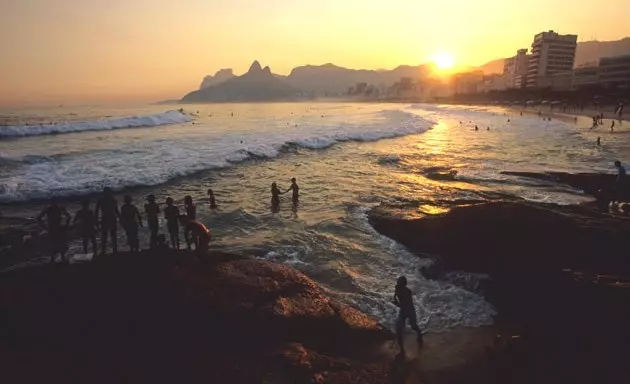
(152, 318)
(545, 263)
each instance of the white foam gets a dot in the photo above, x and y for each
(153, 161)
(169, 117)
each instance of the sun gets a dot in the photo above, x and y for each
(443, 61)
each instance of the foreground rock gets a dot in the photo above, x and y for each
(156, 318)
(545, 263)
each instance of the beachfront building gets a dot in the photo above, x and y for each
(615, 71)
(585, 76)
(552, 54)
(515, 69)
(467, 82)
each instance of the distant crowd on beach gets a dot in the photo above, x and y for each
(106, 216)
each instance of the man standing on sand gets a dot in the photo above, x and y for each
(107, 206)
(404, 300)
(56, 229)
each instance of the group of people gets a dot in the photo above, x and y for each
(107, 215)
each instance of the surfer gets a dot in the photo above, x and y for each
(87, 225)
(107, 207)
(213, 202)
(404, 300)
(195, 233)
(130, 219)
(171, 214)
(152, 210)
(54, 214)
(189, 206)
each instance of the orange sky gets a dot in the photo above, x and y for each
(71, 51)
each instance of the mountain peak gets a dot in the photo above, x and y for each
(267, 70)
(255, 67)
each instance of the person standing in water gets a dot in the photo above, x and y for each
(620, 181)
(54, 214)
(275, 197)
(191, 209)
(404, 300)
(171, 214)
(87, 225)
(213, 202)
(107, 207)
(130, 219)
(612, 126)
(296, 191)
(153, 211)
(598, 140)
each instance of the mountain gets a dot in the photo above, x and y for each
(589, 52)
(219, 77)
(492, 67)
(258, 84)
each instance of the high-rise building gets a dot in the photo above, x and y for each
(514, 68)
(551, 54)
(614, 71)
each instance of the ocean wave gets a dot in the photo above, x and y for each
(168, 117)
(154, 162)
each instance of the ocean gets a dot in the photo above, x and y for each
(347, 158)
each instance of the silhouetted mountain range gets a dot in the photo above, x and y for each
(257, 84)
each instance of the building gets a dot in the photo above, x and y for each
(515, 68)
(614, 71)
(585, 76)
(467, 82)
(551, 54)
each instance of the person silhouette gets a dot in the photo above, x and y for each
(87, 225)
(404, 300)
(296, 191)
(54, 214)
(107, 207)
(130, 219)
(171, 214)
(153, 211)
(195, 233)
(191, 209)
(213, 202)
(275, 197)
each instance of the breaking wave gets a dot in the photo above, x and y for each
(168, 117)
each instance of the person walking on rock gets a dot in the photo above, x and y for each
(403, 299)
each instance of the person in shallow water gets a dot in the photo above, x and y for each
(620, 181)
(275, 197)
(195, 233)
(296, 191)
(153, 211)
(404, 300)
(107, 207)
(189, 206)
(54, 214)
(87, 225)
(213, 202)
(130, 219)
(171, 214)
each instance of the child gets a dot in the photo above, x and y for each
(195, 233)
(87, 225)
(404, 300)
(191, 209)
(152, 210)
(128, 215)
(171, 214)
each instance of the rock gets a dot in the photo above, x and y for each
(159, 318)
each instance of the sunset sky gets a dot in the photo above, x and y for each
(63, 51)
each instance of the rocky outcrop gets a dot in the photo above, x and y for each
(159, 318)
(257, 84)
(218, 78)
(558, 274)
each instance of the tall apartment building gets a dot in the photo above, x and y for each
(614, 71)
(514, 68)
(551, 54)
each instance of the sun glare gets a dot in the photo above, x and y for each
(443, 60)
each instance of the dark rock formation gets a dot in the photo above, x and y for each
(255, 85)
(545, 263)
(152, 318)
(590, 183)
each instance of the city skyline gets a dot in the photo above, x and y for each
(103, 51)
